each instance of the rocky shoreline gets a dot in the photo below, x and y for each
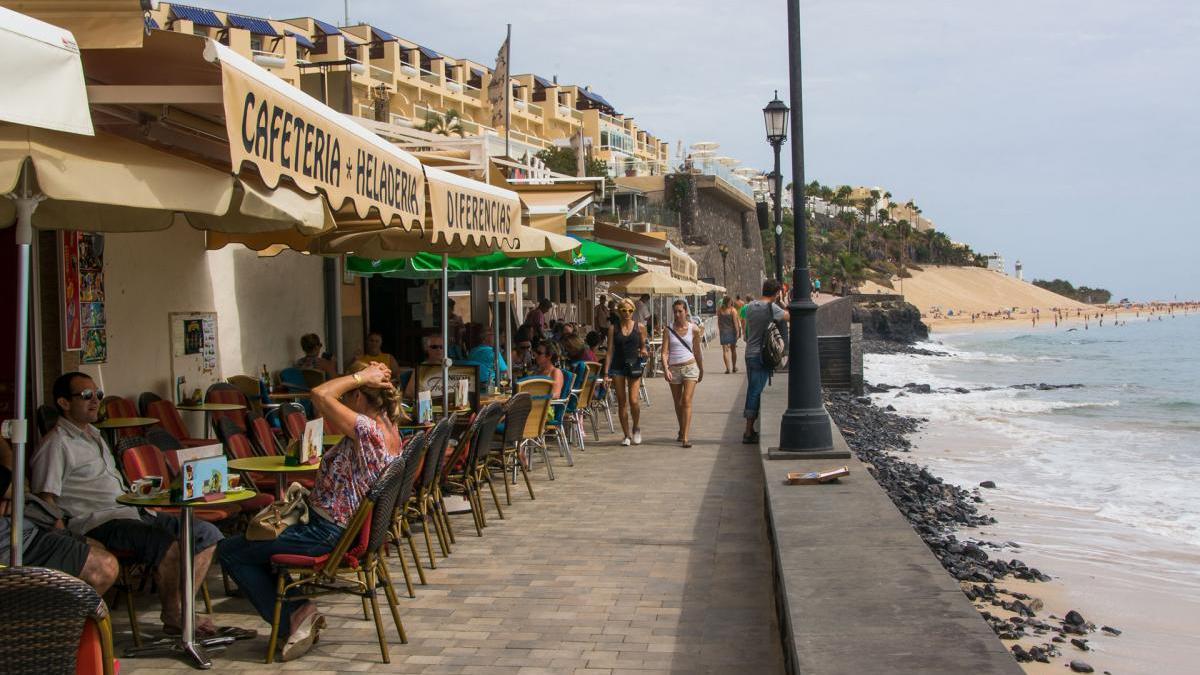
(938, 511)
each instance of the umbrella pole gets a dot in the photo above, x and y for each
(494, 385)
(25, 206)
(445, 334)
(508, 331)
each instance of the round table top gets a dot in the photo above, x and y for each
(164, 499)
(270, 464)
(331, 439)
(211, 407)
(290, 395)
(126, 422)
(438, 409)
(414, 427)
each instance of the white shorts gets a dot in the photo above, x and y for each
(685, 371)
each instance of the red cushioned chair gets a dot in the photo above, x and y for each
(354, 566)
(294, 420)
(262, 436)
(53, 623)
(115, 406)
(238, 446)
(223, 392)
(169, 418)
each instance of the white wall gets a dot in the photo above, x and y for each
(263, 306)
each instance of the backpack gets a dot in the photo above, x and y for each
(774, 349)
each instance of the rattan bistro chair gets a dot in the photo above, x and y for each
(462, 475)
(539, 389)
(52, 623)
(414, 457)
(588, 398)
(507, 458)
(354, 566)
(422, 503)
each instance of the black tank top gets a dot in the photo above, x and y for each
(625, 348)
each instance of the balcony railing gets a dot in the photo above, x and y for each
(708, 166)
(431, 77)
(534, 109)
(382, 74)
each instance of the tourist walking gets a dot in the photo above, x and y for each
(683, 365)
(625, 363)
(729, 326)
(760, 314)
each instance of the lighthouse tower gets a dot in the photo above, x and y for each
(1020, 275)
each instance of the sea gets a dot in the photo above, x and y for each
(1096, 484)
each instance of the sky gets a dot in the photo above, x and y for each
(1062, 133)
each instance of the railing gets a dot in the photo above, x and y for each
(612, 120)
(431, 77)
(534, 109)
(382, 74)
(409, 70)
(710, 167)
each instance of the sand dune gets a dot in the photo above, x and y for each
(973, 289)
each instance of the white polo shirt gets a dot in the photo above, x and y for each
(77, 467)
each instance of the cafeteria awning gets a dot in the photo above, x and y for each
(56, 97)
(105, 183)
(587, 257)
(96, 24)
(636, 243)
(652, 280)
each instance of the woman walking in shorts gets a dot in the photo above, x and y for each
(624, 363)
(729, 325)
(683, 365)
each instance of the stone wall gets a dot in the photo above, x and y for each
(712, 214)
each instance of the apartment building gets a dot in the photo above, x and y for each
(366, 71)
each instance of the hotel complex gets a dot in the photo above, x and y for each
(365, 71)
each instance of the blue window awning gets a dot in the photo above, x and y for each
(197, 15)
(429, 53)
(543, 82)
(326, 28)
(301, 40)
(151, 24)
(380, 35)
(477, 72)
(253, 24)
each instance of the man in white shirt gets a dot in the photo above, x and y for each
(641, 310)
(75, 470)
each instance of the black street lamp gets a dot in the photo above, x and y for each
(775, 116)
(724, 251)
(804, 431)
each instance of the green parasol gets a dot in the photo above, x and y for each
(590, 258)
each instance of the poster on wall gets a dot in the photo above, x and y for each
(72, 328)
(94, 336)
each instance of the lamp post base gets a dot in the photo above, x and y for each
(809, 435)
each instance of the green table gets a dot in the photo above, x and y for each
(275, 464)
(187, 645)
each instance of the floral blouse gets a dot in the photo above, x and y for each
(349, 469)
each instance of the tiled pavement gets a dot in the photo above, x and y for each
(639, 559)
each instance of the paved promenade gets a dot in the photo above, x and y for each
(639, 559)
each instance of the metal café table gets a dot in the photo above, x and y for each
(276, 464)
(208, 409)
(186, 645)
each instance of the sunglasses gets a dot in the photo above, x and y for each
(625, 311)
(88, 394)
(435, 346)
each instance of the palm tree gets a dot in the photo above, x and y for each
(449, 124)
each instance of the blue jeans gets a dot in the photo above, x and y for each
(249, 563)
(759, 376)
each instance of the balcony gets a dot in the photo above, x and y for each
(431, 78)
(382, 74)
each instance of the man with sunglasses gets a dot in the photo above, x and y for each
(75, 470)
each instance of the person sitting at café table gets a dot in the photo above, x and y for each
(434, 350)
(577, 350)
(364, 407)
(44, 545)
(545, 364)
(483, 353)
(75, 471)
(313, 359)
(375, 354)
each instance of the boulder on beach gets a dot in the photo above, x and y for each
(988, 484)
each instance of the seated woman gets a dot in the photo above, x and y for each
(365, 408)
(313, 359)
(577, 350)
(545, 364)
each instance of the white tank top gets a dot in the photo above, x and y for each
(676, 351)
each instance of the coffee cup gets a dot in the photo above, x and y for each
(156, 481)
(143, 487)
(235, 481)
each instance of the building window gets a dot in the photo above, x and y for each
(256, 43)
